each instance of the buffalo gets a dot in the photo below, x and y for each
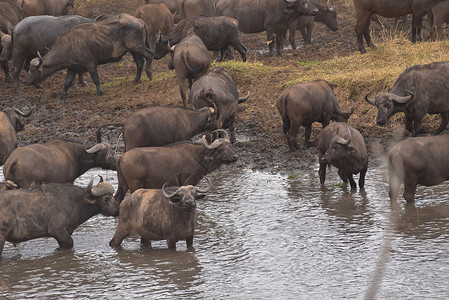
(183, 163)
(163, 125)
(305, 103)
(158, 19)
(390, 9)
(57, 161)
(217, 89)
(437, 16)
(46, 7)
(419, 90)
(191, 60)
(10, 124)
(326, 15)
(271, 16)
(83, 47)
(342, 146)
(7, 185)
(5, 53)
(418, 160)
(156, 214)
(217, 33)
(37, 34)
(52, 210)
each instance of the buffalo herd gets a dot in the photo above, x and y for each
(161, 166)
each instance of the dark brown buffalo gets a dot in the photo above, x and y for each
(205, 8)
(10, 15)
(178, 164)
(217, 89)
(305, 103)
(38, 34)
(155, 214)
(83, 47)
(5, 53)
(217, 33)
(175, 7)
(191, 60)
(45, 7)
(272, 16)
(158, 19)
(10, 124)
(419, 160)
(163, 125)
(57, 161)
(52, 210)
(7, 185)
(437, 16)
(326, 15)
(342, 146)
(389, 9)
(419, 90)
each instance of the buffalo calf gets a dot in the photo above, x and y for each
(342, 146)
(157, 215)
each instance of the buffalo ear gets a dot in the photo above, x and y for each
(201, 196)
(351, 151)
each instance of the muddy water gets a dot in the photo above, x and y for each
(259, 236)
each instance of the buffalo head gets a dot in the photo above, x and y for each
(101, 195)
(339, 149)
(13, 116)
(388, 104)
(221, 149)
(185, 196)
(304, 7)
(103, 156)
(34, 75)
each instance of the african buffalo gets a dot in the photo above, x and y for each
(37, 34)
(217, 89)
(10, 15)
(205, 8)
(191, 60)
(390, 9)
(272, 16)
(7, 185)
(326, 15)
(5, 53)
(182, 163)
(83, 47)
(10, 124)
(52, 210)
(305, 103)
(163, 125)
(175, 7)
(217, 33)
(437, 16)
(418, 160)
(57, 161)
(158, 19)
(155, 214)
(45, 7)
(342, 146)
(419, 90)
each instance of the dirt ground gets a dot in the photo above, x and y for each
(260, 140)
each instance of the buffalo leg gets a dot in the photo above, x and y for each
(343, 176)
(409, 189)
(352, 182)
(119, 235)
(64, 239)
(96, 80)
(145, 242)
(322, 171)
(416, 126)
(139, 64)
(69, 78)
(241, 49)
(81, 80)
(2, 244)
(307, 135)
(232, 131)
(279, 43)
(189, 242)
(182, 90)
(6, 71)
(409, 123)
(362, 177)
(291, 137)
(444, 121)
(362, 25)
(171, 244)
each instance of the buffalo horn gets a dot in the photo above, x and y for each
(96, 148)
(243, 99)
(23, 114)
(344, 141)
(10, 184)
(89, 186)
(403, 99)
(102, 188)
(40, 58)
(370, 101)
(209, 185)
(164, 193)
(225, 134)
